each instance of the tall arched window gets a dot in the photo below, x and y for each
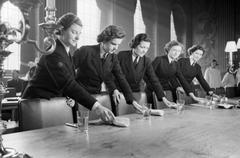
(173, 35)
(179, 23)
(90, 14)
(12, 15)
(139, 26)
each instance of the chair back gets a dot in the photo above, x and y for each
(11, 92)
(124, 108)
(220, 91)
(104, 99)
(231, 92)
(41, 113)
(161, 105)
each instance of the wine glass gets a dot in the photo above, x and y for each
(180, 105)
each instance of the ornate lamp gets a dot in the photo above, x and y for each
(238, 43)
(8, 35)
(231, 47)
(3, 54)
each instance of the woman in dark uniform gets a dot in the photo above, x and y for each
(97, 64)
(191, 69)
(169, 73)
(136, 66)
(54, 75)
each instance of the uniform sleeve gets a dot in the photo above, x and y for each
(174, 81)
(155, 63)
(202, 81)
(151, 77)
(186, 86)
(66, 83)
(120, 77)
(206, 75)
(225, 80)
(78, 56)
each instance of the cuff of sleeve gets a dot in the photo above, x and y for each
(95, 106)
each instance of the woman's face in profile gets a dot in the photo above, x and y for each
(174, 52)
(197, 55)
(71, 35)
(112, 45)
(142, 48)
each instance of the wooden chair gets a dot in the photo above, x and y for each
(161, 105)
(104, 99)
(123, 108)
(231, 92)
(11, 92)
(220, 91)
(41, 113)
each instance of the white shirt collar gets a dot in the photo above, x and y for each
(169, 59)
(191, 61)
(65, 46)
(135, 56)
(103, 53)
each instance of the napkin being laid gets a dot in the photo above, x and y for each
(157, 112)
(226, 106)
(119, 122)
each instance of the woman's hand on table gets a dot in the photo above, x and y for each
(198, 99)
(104, 113)
(169, 103)
(180, 89)
(116, 96)
(138, 107)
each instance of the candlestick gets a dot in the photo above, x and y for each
(50, 4)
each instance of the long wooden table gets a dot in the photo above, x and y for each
(195, 133)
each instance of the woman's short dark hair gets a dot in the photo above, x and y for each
(110, 33)
(195, 48)
(171, 44)
(138, 39)
(66, 20)
(32, 71)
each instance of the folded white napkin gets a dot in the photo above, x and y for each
(226, 106)
(119, 122)
(157, 112)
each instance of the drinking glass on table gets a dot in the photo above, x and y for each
(147, 110)
(237, 105)
(82, 119)
(180, 105)
(210, 102)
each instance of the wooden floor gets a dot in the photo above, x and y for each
(195, 133)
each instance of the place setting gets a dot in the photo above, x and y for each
(221, 102)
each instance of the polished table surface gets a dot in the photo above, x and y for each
(195, 133)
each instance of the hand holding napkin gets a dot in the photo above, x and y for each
(121, 122)
(157, 112)
(226, 106)
(118, 121)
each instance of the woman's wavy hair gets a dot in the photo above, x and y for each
(66, 20)
(138, 39)
(111, 32)
(195, 48)
(171, 44)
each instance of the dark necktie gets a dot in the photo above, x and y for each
(71, 61)
(135, 62)
(70, 57)
(105, 55)
(104, 58)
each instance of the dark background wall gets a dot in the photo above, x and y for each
(210, 23)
